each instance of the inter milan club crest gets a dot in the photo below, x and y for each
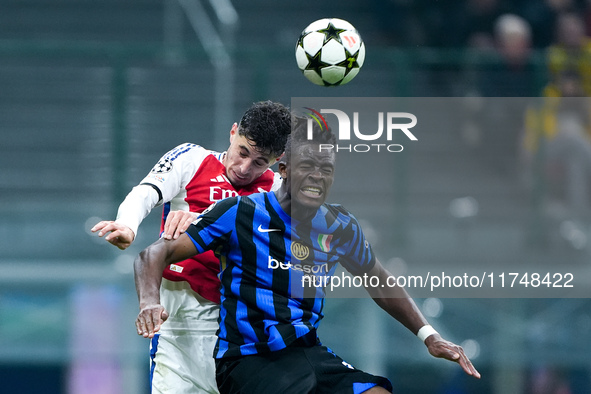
(299, 251)
(163, 166)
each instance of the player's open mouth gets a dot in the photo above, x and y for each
(311, 191)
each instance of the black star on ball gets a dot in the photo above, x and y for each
(314, 62)
(332, 32)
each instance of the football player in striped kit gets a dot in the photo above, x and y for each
(268, 243)
(187, 180)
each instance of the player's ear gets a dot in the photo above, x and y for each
(282, 167)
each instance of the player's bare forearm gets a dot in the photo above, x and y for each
(396, 301)
(150, 264)
(148, 268)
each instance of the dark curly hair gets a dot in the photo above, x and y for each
(268, 125)
(299, 135)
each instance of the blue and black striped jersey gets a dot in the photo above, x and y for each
(272, 268)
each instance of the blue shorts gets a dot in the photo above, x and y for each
(296, 370)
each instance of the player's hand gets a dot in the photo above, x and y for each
(116, 233)
(150, 319)
(439, 347)
(177, 222)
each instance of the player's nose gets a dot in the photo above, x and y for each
(316, 173)
(245, 167)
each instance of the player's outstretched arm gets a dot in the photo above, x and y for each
(148, 268)
(136, 206)
(115, 233)
(177, 222)
(397, 302)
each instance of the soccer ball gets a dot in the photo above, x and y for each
(330, 52)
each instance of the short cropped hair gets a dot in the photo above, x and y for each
(299, 135)
(267, 124)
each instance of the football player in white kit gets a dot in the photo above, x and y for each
(187, 180)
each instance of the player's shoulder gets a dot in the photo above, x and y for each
(188, 157)
(220, 208)
(337, 212)
(254, 199)
(336, 209)
(189, 149)
(237, 204)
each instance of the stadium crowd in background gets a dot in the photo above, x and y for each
(570, 53)
(559, 126)
(460, 24)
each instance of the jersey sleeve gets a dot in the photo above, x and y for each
(174, 170)
(166, 179)
(215, 225)
(359, 257)
(136, 206)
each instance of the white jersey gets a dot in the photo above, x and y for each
(189, 178)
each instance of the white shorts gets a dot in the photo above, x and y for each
(181, 353)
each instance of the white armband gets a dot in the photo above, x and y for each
(425, 332)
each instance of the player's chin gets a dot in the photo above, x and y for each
(236, 183)
(240, 181)
(310, 201)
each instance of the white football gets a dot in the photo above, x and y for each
(330, 52)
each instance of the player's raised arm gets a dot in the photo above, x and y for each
(162, 183)
(136, 206)
(396, 301)
(148, 267)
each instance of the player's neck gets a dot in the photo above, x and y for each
(294, 210)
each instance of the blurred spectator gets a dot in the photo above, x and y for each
(541, 14)
(563, 125)
(507, 73)
(587, 16)
(477, 24)
(510, 70)
(571, 51)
